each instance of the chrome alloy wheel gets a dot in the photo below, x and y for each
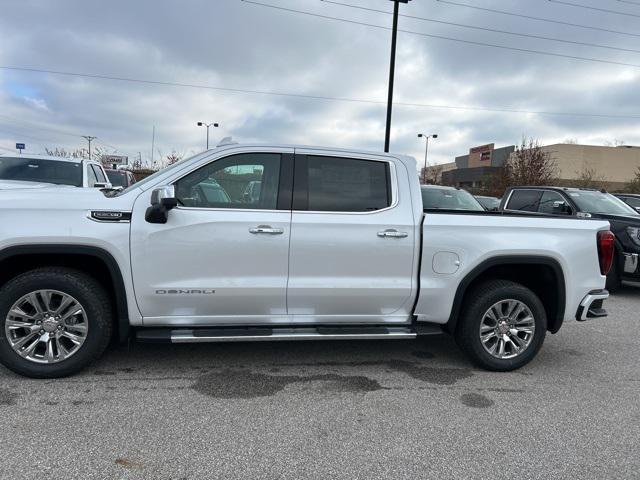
(46, 326)
(507, 329)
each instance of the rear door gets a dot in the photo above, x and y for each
(352, 240)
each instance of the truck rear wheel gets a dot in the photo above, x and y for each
(503, 326)
(53, 322)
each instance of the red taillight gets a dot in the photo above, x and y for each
(606, 250)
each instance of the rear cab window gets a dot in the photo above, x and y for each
(341, 184)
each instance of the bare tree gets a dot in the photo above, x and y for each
(432, 175)
(61, 152)
(588, 177)
(634, 185)
(96, 153)
(173, 157)
(528, 165)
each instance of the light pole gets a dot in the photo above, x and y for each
(89, 138)
(392, 68)
(426, 151)
(202, 124)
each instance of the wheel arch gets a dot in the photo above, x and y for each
(542, 274)
(95, 261)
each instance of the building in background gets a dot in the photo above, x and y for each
(613, 167)
(473, 171)
(433, 174)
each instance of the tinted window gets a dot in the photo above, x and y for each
(37, 170)
(525, 200)
(347, 185)
(99, 173)
(632, 201)
(552, 202)
(117, 179)
(91, 176)
(231, 183)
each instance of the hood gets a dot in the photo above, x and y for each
(628, 219)
(55, 198)
(13, 184)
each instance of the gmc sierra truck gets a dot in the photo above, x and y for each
(335, 245)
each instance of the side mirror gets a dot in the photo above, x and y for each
(102, 185)
(637, 209)
(163, 199)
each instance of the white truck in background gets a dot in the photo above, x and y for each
(335, 245)
(36, 171)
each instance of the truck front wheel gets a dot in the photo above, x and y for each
(503, 325)
(53, 322)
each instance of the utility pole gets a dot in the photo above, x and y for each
(392, 68)
(153, 142)
(89, 138)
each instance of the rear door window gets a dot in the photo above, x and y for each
(338, 184)
(525, 200)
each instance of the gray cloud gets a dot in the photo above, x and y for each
(233, 44)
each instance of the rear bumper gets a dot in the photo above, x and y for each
(591, 305)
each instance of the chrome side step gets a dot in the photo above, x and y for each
(266, 334)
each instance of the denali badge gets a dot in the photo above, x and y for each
(109, 216)
(186, 291)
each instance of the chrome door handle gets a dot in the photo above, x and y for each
(393, 233)
(268, 229)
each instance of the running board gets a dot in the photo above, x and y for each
(267, 334)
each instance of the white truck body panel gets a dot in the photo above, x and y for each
(326, 267)
(476, 238)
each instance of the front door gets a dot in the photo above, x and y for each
(222, 256)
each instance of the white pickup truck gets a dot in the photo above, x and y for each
(335, 244)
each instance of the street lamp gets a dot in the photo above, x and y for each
(202, 124)
(426, 151)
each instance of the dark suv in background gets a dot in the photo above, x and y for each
(631, 199)
(586, 203)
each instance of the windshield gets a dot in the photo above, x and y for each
(26, 169)
(598, 202)
(449, 199)
(117, 179)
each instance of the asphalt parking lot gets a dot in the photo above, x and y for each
(393, 409)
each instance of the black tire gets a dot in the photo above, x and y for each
(479, 300)
(614, 280)
(86, 290)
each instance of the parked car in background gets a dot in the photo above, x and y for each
(120, 178)
(252, 191)
(586, 203)
(438, 197)
(631, 199)
(338, 246)
(32, 171)
(490, 204)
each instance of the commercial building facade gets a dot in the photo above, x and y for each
(613, 167)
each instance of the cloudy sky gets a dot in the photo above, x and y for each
(456, 89)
